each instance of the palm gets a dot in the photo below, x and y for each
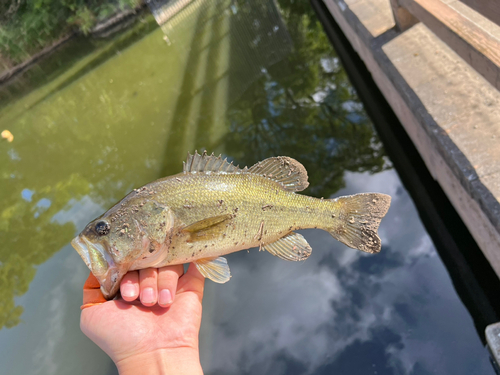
(123, 329)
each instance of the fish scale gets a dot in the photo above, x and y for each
(214, 208)
(252, 200)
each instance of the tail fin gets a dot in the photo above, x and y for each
(358, 220)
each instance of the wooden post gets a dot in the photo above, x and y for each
(473, 44)
(404, 19)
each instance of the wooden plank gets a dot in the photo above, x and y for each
(488, 8)
(477, 47)
(375, 15)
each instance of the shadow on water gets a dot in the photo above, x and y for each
(185, 118)
(234, 44)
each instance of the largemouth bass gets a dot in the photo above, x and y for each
(214, 208)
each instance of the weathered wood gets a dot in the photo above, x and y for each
(376, 16)
(404, 19)
(488, 8)
(475, 204)
(477, 47)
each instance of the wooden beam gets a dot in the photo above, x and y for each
(487, 8)
(477, 47)
(404, 19)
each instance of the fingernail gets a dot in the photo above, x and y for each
(128, 290)
(148, 295)
(165, 297)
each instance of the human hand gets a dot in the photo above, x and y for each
(143, 336)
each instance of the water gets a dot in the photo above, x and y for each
(101, 118)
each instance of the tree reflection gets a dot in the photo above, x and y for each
(305, 107)
(29, 237)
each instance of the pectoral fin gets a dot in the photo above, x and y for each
(216, 269)
(291, 247)
(205, 229)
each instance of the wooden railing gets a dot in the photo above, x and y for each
(488, 8)
(479, 48)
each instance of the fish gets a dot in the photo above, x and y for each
(213, 208)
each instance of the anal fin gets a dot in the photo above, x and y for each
(216, 269)
(292, 247)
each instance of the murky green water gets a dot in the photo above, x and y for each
(101, 118)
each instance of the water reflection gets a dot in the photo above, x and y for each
(120, 125)
(83, 142)
(234, 43)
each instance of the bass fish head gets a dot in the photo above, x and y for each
(131, 232)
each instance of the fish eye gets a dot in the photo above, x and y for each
(102, 228)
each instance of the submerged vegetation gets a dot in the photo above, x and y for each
(26, 27)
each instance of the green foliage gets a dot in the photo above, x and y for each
(36, 24)
(84, 18)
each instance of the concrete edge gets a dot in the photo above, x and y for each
(475, 204)
(492, 334)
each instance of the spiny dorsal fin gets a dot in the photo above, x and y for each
(291, 247)
(209, 163)
(216, 269)
(287, 171)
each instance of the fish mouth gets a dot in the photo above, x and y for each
(101, 264)
(82, 249)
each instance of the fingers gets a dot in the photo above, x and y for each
(167, 284)
(152, 285)
(129, 286)
(148, 280)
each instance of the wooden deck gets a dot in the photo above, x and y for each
(437, 62)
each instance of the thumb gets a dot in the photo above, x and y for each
(92, 295)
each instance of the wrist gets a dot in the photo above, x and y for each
(162, 362)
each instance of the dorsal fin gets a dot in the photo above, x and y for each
(209, 163)
(287, 171)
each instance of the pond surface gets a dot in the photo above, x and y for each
(98, 119)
